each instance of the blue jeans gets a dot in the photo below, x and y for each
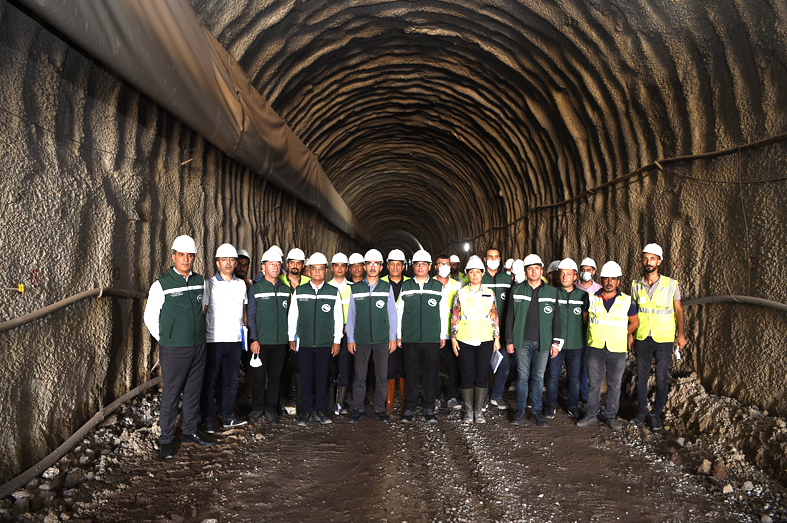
(222, 358)
(503, 370)
(583, 374)
(530, 366)
(572, 358)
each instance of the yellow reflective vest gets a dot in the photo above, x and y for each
(475, 324)
(609, 329)
(656, 315)
(449, 290)
(344, 293)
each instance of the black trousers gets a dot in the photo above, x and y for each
(315, 365)
(345, 362)
(474, 364)
(452, 364)
(421, 361)
(646, 350)
(267, 397)
(182, 369)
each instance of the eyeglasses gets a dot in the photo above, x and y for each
(318, 268)
(373, 264)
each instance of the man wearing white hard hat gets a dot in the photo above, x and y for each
(242, 267)
(610, 316)
(585, 282)
(450, 288)
(508, 266)
(501, 284)
(316, 318)
(357, 267)
(421, 333)
(174, 316)
(533, 333)
(269, 301)
(475, 334)
(659, 313)
(552, 273)
(371, 332)
(341, 368)
(396, 366)
(225, 315)
(293, 276)
(570, 301)
(456, 274)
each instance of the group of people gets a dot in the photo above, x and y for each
(362, 330)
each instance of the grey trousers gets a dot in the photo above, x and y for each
(362, 353)
(181, 371)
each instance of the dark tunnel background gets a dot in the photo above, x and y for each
(500, 123)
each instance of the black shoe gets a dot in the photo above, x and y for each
(408, 416)
(430, 417)
(549, 412)
(233, 421)
(655, 423)
(587, 421)
(519, 417)
(573, 413)
(538, 418)
(165, 452)
(207, 426)
(255, 415)
(356, 416)
(382, 416)
(639, 420)
(196, 438)
(323, 418)
(613, 424)
(272, 418)
(303, 420)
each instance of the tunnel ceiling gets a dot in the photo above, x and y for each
(437, 120)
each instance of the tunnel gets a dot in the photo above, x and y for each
(570, 128)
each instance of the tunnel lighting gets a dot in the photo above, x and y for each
(466, 246)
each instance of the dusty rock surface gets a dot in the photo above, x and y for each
(394, 472)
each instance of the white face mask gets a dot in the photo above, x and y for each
(493, 264)
(519, 277)
(443, 271)
(585, 276)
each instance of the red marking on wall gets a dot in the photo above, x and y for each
(36, 277)
(116, 273)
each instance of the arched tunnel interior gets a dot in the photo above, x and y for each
(571, 128)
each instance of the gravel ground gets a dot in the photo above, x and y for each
(447, 472)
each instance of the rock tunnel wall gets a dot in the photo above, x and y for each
(96, 182)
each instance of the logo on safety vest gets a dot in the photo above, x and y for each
(380, 304)
(577, 310)
(432, 302)
(502, 295)
(326, 308)
(548, 309)
(199, 298)
(284, 304)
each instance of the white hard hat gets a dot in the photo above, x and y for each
(339, 257)
(553, 266)
(422, 256)
(226, 250)
(518, 267)
(611, 270)
(355, 258)
(568, 263)
(184, 244)
(454, 258)
(653, 248)
(306, 262)
(244, 253)
(532, 259)
(278, 249)
(373, 255)
(396, 255)
(296, 254)
(271, 255)
(474, 263)
(509, 263)
(588, 262)
(318, 258)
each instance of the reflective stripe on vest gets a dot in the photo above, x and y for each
(475, 323)
(609, 329)
(656, 316)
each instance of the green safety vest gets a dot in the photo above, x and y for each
(656, 316)
(272, 306)
(501, 285)
(476, 320)
(315, 314)
(547, 308)
(181, 321)
(421, 314)
(344, 294)
(609, 329)
(571, 317)
(371, 313)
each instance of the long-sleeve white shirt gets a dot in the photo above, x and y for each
(155, 303)
(444, 314)
(338, 316)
